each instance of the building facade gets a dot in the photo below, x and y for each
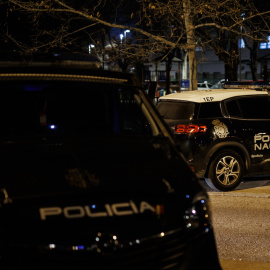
(209, 68)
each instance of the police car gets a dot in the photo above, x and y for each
(224, 133)
(204, 85)
(90, 177)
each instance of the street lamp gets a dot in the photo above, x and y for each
(125, 34)
(90, 46)
(121, 37)
(242, 45)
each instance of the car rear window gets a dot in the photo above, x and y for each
(30, 107)
(176, 110)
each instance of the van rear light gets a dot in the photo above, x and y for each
(189, 129)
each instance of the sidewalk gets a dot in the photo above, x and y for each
(246, 265)
(263, 191)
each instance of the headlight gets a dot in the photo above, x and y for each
(198, 216)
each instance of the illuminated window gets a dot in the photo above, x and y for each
(265, 45)
(241, 43)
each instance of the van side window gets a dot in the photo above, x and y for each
(210, 110)
(255, 107)
(233, 109)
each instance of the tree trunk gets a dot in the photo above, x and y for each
(123, 65)
(191, 45)
(139, 71)
(254, 61)
(168, 72)
(168, 77)
(231, 72)
(231, 59)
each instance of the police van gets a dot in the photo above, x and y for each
(224, 133)
(90, 176)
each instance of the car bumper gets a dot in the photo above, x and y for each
(172, 252)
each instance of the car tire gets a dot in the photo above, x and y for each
(226, 171)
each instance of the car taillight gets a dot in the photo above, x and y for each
(190, 129)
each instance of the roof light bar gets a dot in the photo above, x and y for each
(247, 85)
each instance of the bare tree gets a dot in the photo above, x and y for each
(240, 21)
(258, 29)
(214, 24)
(159, 26)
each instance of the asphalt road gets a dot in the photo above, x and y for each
(241, 220)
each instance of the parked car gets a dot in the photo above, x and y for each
(222, 81)
(204, 85)
(217, 85)
(90, 175)
(224, 133)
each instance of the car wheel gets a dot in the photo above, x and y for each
(226, 171)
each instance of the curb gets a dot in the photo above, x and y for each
(242, 194)
(247, 265)
(262, 192)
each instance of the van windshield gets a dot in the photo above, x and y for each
(31, 107)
